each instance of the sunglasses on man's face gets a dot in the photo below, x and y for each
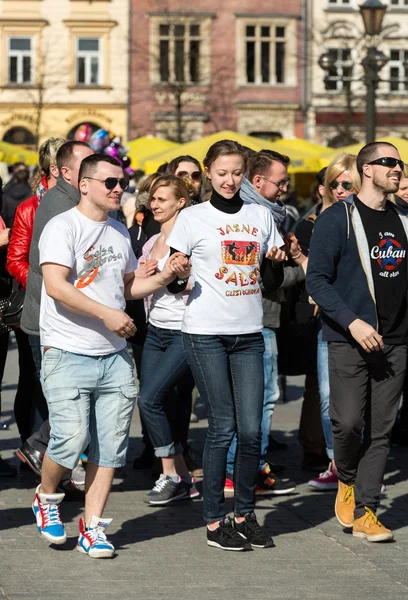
(388, 161)
(195, 175)
(346, 185)
(112, 182)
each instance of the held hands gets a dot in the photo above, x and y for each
(178, 266)
(368, 338)
(119, 322)
(276, 254)
(146, 268)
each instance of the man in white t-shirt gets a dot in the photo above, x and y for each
(87, 375)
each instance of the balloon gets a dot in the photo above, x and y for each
(129, 172)
(112, 150)
(83, 133)
(126, 161)
(99, 139)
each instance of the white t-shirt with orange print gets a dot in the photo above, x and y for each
(226, 252)
(99, 256)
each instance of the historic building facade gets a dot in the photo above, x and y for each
(336, 98)
(62, 63)
(209, 66)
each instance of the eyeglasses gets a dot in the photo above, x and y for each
(388, 161)
(195, 175)
(346, 185)
(279, 184)
(112, 182)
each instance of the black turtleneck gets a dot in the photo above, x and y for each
(231, 206)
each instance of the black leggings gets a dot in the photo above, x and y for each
(29, 394)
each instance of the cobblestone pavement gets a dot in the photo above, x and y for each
(162, 552)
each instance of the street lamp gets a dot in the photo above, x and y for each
(372, 12)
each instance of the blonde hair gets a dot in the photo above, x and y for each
(177, 185)
(392, 197)
(47, 156)
(344, 162)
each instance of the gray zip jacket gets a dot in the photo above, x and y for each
(62, 197)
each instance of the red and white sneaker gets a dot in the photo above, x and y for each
(326, 481)
(229, 486)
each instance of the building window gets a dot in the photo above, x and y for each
(179, 52)
(398, 66)
(342, 3)
(20, 60)
(89, 61)
(339, 76)
(398, 3)
(265, 54)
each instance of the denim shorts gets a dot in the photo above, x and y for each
(90, 401)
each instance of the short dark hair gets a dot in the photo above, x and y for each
(65, 153)
(172, 166)
(368, 153)
(90, 164)
(261, 162)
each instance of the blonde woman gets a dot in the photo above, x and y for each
(341, 179)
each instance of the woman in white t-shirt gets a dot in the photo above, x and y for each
(164, 364)
(222, 334)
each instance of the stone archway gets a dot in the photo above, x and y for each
(20, 136)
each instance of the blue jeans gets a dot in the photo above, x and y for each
(164, 366)
(90, 402)
(271, 396)
(324, 391)
(228, 371)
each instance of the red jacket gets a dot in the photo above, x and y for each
(21, 234)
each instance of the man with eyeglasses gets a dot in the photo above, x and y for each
(88, 268)
(357, 275)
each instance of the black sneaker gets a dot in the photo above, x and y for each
(271, 485)
(227, 538)
(253, 532)
(165, 491)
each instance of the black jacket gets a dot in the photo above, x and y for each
(13, 195)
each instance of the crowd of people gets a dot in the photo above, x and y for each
(204, 276)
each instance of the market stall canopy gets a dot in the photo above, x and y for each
(12, 154)
(300, 145)
(300, 162)
(399, 143)
(143, 147)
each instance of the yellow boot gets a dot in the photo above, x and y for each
(370, 528)
(345, 504)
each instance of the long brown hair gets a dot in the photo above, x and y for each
(47, 156)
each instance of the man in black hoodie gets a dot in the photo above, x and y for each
(14, 192)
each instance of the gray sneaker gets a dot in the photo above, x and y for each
(165, 491)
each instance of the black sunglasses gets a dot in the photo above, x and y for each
(195, 175)
(388, 161)
(346, 185)
(112, 182)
